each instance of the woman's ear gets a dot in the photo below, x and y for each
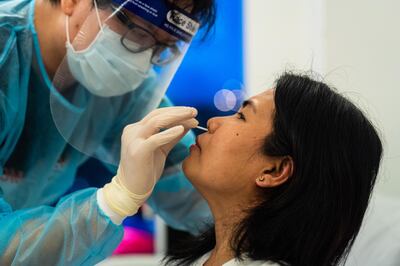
(276, 175)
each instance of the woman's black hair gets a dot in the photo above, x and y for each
(203, 10)
(314, 217)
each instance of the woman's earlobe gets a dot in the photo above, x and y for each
(263, 181)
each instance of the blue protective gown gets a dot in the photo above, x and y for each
(37, 166)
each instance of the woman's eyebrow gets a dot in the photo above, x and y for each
(251, 104)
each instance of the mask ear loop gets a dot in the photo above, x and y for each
(98, 15)
(67, 29)
(98, 20)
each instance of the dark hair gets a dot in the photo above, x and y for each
(314, 217)
(203, 10)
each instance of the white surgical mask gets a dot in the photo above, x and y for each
(106, 68)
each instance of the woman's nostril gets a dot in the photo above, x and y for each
(209, 124)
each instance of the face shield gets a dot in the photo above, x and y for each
(117, 69)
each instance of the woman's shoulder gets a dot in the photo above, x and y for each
(249, 262)
(245, 261)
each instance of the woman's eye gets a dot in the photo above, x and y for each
(241, 116)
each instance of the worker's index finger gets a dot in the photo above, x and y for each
(166, 110)
(163, 138)
(171, 117)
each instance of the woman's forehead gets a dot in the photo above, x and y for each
(265, 101)
(265, 96)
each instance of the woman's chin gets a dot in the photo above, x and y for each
(188, 167)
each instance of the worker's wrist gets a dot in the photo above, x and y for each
(121, 200)
(102, 203)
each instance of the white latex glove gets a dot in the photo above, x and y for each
(144, 150)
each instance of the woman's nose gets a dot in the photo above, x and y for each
(213, 124)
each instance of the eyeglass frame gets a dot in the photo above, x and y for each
(159, 45)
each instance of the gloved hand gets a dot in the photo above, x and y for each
(144, 150)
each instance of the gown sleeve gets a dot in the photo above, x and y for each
(14, 76)
(75, 232)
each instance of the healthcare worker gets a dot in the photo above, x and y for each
(78, 78)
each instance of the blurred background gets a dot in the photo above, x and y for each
(352, 45)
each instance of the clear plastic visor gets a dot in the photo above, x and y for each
(117, 68)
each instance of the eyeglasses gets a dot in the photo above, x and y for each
(138, 39)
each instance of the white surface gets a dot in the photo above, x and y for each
(355, 45)
(378, 242)
(161, 236)
(132, 261)
(281, 35)
(233, 262)
(363, 44)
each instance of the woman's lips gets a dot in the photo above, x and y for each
(194, 147)
(198, 141)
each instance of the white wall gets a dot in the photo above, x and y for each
(281, 34)
(355, 45)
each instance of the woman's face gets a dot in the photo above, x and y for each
(227, 159)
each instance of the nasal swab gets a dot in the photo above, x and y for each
(202, 128)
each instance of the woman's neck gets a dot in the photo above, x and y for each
(222, 251)
(226, 218)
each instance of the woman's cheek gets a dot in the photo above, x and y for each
(227, 140)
